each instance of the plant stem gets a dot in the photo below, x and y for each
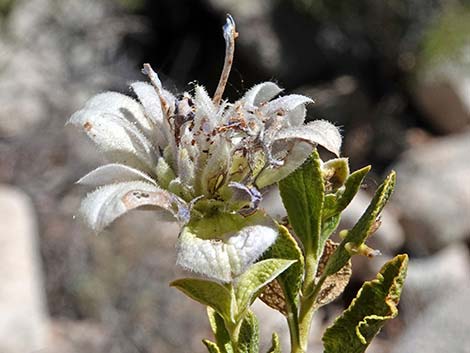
(293, 324)
(234, 333)
(307, 303)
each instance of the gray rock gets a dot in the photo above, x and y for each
(432, 193)
(442, 92)
(443, 327)
(76, 337)
(23, 322)
(54, 55)
(434, 278)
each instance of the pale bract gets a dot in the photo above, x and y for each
(201, 161)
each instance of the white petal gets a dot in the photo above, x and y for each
(226, 255)
(150, 100)
(105, 204)
(215, 168)
(296, 116)
(113, 173)
(296, 156)
(107, 123)
(318, 132)
(285, 104)
(185, 167)
(121, 105)
(205, 110)
(261, 93)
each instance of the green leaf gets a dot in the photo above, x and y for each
(290, 280)
(363, 228)
(222, 337)
(255, 278)
(329, 226)
(248, 340)
(351, 187)
(276, 345)
(208, 293)
(302, 193)
(336, 203)
(211, 346)
(375, 303)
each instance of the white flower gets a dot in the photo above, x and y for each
(197, 158)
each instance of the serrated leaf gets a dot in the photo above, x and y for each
(275, 345)
(363, 228)
(248, 340)
(302, 193)
(335, 284)
(208, 293)
(375, 303)
(221, 334)
(288, 283)
(211, 346)
(255, 278)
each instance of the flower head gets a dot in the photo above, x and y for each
(202, 160)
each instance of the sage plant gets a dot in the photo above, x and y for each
(205, 163)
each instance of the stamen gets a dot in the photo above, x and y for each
(230, 35)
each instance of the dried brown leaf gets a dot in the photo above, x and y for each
(335, 284)
(273, 296)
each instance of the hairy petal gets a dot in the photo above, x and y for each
(205, 110)
(296, 116)
(297, 153)
(285, 104)
(113, 173)
(105, 204)
(223, 247)
(107, 121)
(150, 100)
(318, 132)
(216, 166)
(185, 167)
(261, 93)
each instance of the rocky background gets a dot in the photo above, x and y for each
(394, 74)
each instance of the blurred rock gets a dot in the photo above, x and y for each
(68, 336)
(435, 278)
(442, 79)
(444, 96)
(443, 327)
(432, 193)
(23, 319)
(54, 55)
